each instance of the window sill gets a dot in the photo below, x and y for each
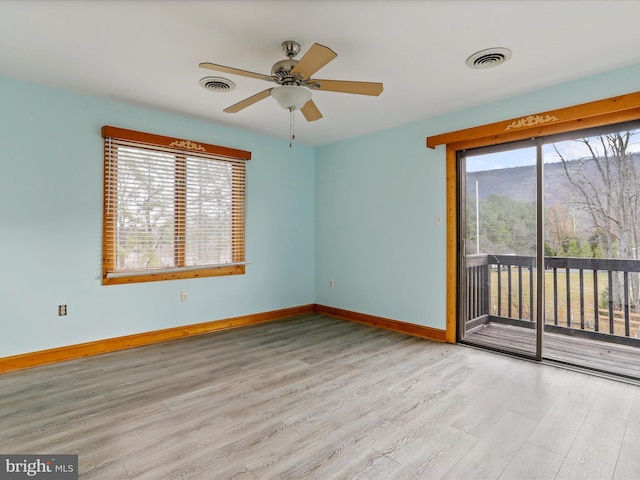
(175, 275)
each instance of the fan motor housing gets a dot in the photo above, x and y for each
(282, 71)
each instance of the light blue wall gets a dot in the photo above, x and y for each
(51, 224)
(377, 198)
(360, 212)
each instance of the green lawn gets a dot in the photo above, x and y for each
(574, 300)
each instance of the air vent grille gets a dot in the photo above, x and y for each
(489, 58)
(217, 84)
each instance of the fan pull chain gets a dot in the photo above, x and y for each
(292, 135)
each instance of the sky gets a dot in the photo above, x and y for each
(570, 149)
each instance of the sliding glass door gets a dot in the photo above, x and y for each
(549, 239)
(498, 271)
(592, 236)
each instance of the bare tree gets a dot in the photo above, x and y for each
(605, 186)
(559, 228)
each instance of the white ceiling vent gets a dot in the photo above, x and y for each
(491, 57)
(217, 84)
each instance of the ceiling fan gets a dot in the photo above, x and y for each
(294, 81)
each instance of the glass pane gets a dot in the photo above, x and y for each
(500, 250)
(209, 228)
(592, 198)
(144, 229)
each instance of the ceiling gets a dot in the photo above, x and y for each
(147, 53)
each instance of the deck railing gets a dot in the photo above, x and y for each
(590, 297)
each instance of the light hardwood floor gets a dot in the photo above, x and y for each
(314, 397)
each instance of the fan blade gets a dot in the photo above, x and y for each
(311, 112)
(235, 71)
(345, 86)
(312, 61)
(248, 101)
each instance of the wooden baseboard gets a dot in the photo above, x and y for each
(380, 322)
(71, 352)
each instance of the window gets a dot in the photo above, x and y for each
(172, 208)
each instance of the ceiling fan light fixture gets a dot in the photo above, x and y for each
(291, 97)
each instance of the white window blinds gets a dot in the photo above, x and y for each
(171, 209)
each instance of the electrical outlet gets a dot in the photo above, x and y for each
(62, 310)
(183, 296)
(330, 283)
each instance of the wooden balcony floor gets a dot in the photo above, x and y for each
(603, 356)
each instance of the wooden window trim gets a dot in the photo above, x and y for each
(176, 275)
(609, 111)
(172, 142)
(237, 268)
